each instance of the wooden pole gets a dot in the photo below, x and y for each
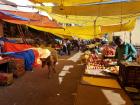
(130, 37)
(1, 28)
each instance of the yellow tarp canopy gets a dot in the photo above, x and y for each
(72, 31)
(121, 27)
(78, 36)
(63, 36)
(88, 32)
(80, 32)
(89, 20)
(106, 9)
(67, 2)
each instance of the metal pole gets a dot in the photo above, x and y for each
(130, 37)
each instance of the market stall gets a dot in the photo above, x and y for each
(101, 79)
(101, 63)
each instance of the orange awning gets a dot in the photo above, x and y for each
(40, 20)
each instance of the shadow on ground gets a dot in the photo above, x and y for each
(34, 88)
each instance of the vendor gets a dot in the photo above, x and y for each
(124, 51)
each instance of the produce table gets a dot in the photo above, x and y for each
(96, 73)
(99, 85)
(92, 95)
(129, 74)
(110, 72)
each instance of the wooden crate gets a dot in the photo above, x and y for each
(17, 67)
(6, 78)
(130, 75)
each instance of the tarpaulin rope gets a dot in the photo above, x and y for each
(21, 34)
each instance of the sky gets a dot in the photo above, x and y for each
(27, 9)
(21, 2)
(24, 3)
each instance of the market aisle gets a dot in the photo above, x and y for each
(34, 88)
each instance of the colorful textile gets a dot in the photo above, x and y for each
(68, 2)
(12, 47)
(7, 40)
(7, 15)
(28, 57)
(102, 9)
(35, 19)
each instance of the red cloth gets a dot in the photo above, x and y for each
(12, 47)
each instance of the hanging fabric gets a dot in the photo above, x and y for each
(107, 9)
(21, 34)
(68, 2)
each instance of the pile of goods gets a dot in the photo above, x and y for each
(85, 57)
(101, 65)
(113, 69)
(108, 51)
(94, 62)
(96, 65)
(110, 62)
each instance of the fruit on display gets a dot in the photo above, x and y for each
(108, 51)
(92, 58)
(114, 69)
(95, 67)
(85, 56)
(108, 62)
(95, 63)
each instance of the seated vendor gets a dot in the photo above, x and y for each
(124, 51)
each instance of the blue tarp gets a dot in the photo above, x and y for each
(7, 40)
(28, 57)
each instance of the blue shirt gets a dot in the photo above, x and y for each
(127, 50)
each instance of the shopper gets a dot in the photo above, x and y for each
(64, 47)
(68, 47)
(124, 51)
